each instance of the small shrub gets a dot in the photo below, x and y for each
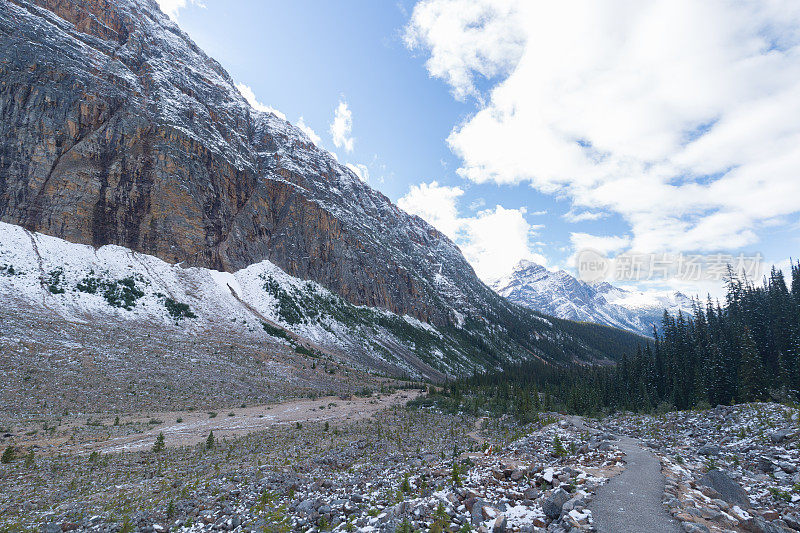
(178, 310)
(127, 526)
(275, 331)
(558, 448)
(55, 280)
(30, 461)
(159, 444)
(8, 456)
(405, 527)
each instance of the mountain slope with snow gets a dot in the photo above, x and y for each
(562, 295)
(119, 130)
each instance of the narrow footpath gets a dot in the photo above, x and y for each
(631, 501)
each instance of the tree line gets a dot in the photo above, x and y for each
(742, 349)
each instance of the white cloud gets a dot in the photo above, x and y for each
(250, 96)
(605, 244)
(435, 204)
(359, 170)
(493, 241)
(466, 38)
(310, 133)
(342, 126)
(171, 7)
(582, 216)
(683, 117)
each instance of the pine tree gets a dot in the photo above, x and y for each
(210, 441)
(751, 370)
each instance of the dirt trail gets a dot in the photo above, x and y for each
(195, 426)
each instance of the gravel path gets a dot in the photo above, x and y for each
(631, 501)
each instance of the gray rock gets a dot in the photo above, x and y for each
(765, 464)
(500, 524)
(477, 510)
(728, 489)
(306, 506)
(792, 520)
(552, 504)
(708, 449)
(759, 525)
(779, 436)
(690, 527)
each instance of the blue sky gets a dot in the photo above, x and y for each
(523, 131)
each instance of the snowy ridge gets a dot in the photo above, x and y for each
(75, 282)
(562, 295)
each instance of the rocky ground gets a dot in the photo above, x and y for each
(404, 468)
(728, 468)
(70, 367)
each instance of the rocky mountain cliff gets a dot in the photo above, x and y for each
(562, 295)
(117, 129)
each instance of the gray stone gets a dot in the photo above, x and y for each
(765, 464)
(708, 449)
(779, 436)
(552, 504)
(728, 489)
(306, 506)
(477, 510)
(691, 527)
(499, 524)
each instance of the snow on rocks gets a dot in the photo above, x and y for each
(730, 468)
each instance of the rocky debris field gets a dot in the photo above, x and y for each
(54, 367)
(403, 469)
(728, 468)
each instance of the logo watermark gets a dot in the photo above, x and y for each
(595, 267)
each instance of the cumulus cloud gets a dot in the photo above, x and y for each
(250, 96)
(683, 117)
(310, 133)
(359, 170)
(342, 126)
(605, 244)
(172, 7)
(466, 38)
(493, 240)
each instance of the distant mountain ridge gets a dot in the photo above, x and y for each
(561, 294)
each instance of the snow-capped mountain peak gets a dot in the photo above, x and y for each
(561, 294)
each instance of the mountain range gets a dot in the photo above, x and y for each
(117, 130)
(560, 294)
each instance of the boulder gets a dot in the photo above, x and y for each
(708, 449)
(728, 489)
(551, 505)
(779, 436)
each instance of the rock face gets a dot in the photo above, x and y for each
(117, 129)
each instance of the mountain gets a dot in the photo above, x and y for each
(118, 130)
(562, 295)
